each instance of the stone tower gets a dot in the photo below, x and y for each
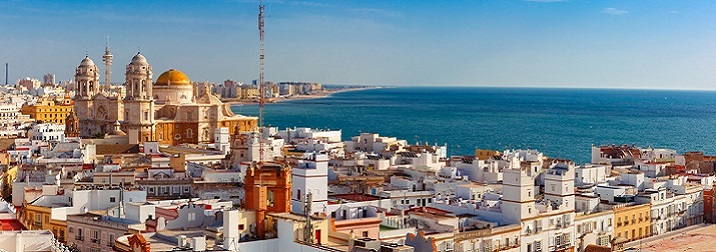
(139, 103)
(72, 125)
(87, 82)
(87, 79)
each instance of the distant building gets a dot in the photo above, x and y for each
(28, 83)
(48, 79)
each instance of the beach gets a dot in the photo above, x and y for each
(318, 95)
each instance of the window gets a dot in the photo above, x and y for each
(189, 133)
(365, 233)
(604, 241)
(538, 246)
(269, 198)
(112, 199)
(151, 190)
(558, 240)
(111, 240)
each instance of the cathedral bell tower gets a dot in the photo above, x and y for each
(139, 103)
(87, 79)
(86, 87)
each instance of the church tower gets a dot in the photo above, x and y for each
(87, 79)
(87, 85)
(139, 103)
(72, 125)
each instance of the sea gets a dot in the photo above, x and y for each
(562, 123)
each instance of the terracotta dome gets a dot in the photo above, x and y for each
(172, 77)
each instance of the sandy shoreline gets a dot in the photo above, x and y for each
(303, 97)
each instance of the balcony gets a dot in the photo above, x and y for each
(94, 240)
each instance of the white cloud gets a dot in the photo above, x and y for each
(614, 11)
(675, 12)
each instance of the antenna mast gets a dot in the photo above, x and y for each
(308, 228)
(261, 81)
(107, 58)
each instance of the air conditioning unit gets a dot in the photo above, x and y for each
(367, 243)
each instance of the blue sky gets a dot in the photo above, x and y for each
(630, 44)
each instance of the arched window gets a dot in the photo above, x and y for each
(188, 133)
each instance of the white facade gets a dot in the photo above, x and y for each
(290, 135)
(310, 175)
(595, 228)
(591, 174)
(48, 132)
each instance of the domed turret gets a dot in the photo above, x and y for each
(138, 78)
(139, 59)
(87, 79)
(86, 62)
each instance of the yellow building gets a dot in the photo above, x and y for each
(39, 218)
(632, 222)
(486, 154)
(49, 110)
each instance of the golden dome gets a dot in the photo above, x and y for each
(172, 77)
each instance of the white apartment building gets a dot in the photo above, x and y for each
(48, 132)
(298, 133)
(594, 228)
(591, 174)
(373, 143)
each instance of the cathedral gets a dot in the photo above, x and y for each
(167, 111)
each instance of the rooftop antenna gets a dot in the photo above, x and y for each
(308, 228)
(261, 81)
(6, 68)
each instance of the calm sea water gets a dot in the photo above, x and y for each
(562, 123)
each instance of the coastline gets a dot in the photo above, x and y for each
(320, 95)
